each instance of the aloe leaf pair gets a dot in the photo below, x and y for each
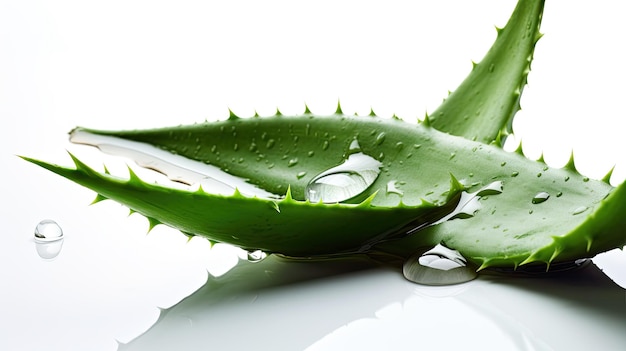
(340, 184)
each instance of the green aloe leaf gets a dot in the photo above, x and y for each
(517, 212)
(483, 106)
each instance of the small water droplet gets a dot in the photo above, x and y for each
(252, 147)
(503, 164)
(491, 67)
(579, 210)
(325, 145)
(380, 138)
(392, 188)
(559, 194)
(270, 143)
(48, 230)
(515, 174)
(540, 197)
(255, 256)
(438, 266)
(585, 179)
(292, 162)
(300, 175)
(452, 155)
(345, 181)
(399, 145)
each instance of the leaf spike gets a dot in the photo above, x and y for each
(607, 177)
(372, 114)
(237, 193)
(275, 206)
(307, 111)
(426, 121)
(278, 113)
(368, 201)
(98, 199)
(231, 115)
(152, 222)
(188, 235)
(288, 196)
(589, 242)
(541, 159)
(570, 163)
(499, 30)
(519, 150)
(455, 185)
(133, 176)
(106, 170)
(338, 111)
(256, 114)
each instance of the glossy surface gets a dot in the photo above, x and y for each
(66, 64)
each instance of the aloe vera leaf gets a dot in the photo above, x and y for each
(483, 106)
(425, 156)
(502, 232)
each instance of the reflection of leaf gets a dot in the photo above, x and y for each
(424, 170)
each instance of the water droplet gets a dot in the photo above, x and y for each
(380, 138)
(48, 230)
(503, 164)
(579, 210)
(452, 155)
(300, 175)
(399, 145)
(270, 143)
(559, 194)
(292, 162)
(438, 266)
(325, 145)
(393, 189)
(311, 153)
(252, 147)
(255, 256)
(491, 67)
(540, 197)
(585, 179)
(345, 181)
(515, 174)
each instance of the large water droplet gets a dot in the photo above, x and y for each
(438, 266)
(540, 197)
(48, 230)
(48, 239)
(345, 181)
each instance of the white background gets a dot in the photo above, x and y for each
(140, 64)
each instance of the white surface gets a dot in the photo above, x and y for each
(120, 64)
